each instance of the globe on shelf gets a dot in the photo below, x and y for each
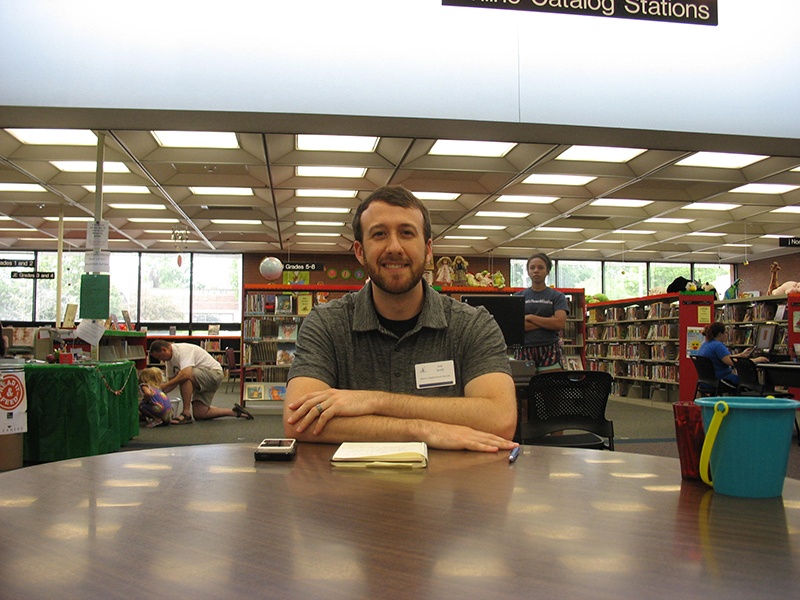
(271, 268)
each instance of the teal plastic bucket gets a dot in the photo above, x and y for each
(747, 444)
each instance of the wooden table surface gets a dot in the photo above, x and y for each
(209, 522)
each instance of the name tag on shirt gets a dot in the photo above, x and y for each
(435, 374)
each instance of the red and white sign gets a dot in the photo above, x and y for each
(13, 402)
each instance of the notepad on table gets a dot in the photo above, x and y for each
(392, 455)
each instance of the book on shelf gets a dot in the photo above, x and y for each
(305, 302)
(277, 392)
(283, 304)
(287, 331)
(392, 455)
(285, 354)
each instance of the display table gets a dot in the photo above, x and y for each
(208, 522)
(73, 412)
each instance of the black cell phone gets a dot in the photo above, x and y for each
(276, 449)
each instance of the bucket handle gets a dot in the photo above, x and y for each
(720, 410)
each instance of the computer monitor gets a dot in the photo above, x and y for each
(508, 311)
(766, 337)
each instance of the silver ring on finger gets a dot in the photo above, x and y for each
(319, 408)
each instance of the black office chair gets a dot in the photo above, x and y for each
(707, 382)
(567, 401)
(235, 372)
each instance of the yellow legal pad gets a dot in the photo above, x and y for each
(381, 455)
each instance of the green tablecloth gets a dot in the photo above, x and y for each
(72, 412)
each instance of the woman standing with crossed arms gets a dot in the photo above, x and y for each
(545, 315)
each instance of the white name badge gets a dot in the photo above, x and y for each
(435, 374)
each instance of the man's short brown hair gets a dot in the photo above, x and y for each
(395, 195)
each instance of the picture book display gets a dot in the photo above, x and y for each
(391, 455)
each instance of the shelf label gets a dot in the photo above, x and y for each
(304, 266)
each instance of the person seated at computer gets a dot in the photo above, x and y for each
(714, 348)
(545, 316)
(397, 361)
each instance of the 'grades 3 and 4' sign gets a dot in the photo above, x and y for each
(697, 12)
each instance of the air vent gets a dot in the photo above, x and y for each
(587, 217)
(226, 207)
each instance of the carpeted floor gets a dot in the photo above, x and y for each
(640, 427)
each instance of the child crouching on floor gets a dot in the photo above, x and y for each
(154, 404)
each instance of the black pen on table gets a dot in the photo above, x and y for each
(514, 454)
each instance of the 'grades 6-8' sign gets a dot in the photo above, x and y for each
(304, 266)
(697, 12)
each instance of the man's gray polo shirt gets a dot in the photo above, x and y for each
(342, 343)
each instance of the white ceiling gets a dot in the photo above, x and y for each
(265, 162)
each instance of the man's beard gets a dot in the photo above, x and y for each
(391, 285)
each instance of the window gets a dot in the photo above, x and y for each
(585, 274)
(16, 295)
(625, 280)
(518, 271)
(720, 276)
(662, 274)
(216, 288)
(164, 288)
(47, 289)
(124, 285)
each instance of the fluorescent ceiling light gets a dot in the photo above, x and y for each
(506, 215)
(435, 195)
(471, 148)
(787, 209)
(620, 203)
(776, 236)
(3, 218)
(546, 179)
(322, 209)
(707, 233)
(316, 234)
(182, 241)
(221, 191)
(764, 188)
(38, 239)
(668, 220)
(236, 221)
(152, 220)
(88, 166)
(719, 160)
(55, 137)
(738, 245)
(326, 193)
(710, 206)
(196, 139)
(86, 219)
(600, 154)
(796, 169)
(138, 206)
(321, 223)
(120, 189)
(351, 172)
(21, 187)
(464, 237)
(317, 243)
(606, 241)
(560, 229)
(488, 227)
(527, 199)
(156, 230)
(636, 231)
(28, 229)
(337, 143)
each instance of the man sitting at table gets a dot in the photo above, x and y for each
(397, 361)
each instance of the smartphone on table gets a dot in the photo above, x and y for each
(276, 449)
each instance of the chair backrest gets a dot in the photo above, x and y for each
(705, 370)
(230, 358)
(748, 374)
(560, 400)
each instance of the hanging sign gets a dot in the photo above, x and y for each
(304, 266)
(33, 275)
(792, 241)
(97, 235)
(693, 12)
(15, 262)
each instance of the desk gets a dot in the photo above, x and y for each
(209, 522)
(72, 412)
(786, 374)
